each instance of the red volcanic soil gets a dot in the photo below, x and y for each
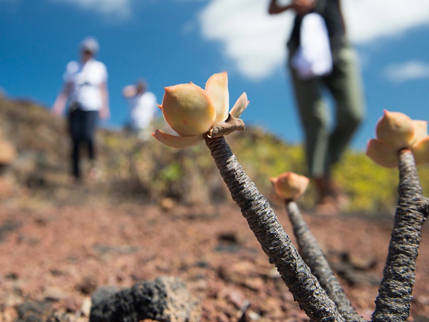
(61, 255)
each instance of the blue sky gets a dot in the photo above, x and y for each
(176, 41)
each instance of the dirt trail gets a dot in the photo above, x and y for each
(63, 254)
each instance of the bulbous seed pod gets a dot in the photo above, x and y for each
(396, 129)
(187, 109)
(289, 185)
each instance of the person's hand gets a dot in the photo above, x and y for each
(104, 113)
(303, 6)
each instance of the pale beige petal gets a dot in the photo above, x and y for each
(421, 131)
(382, 153)
(188, 109)
(273, 181)
(177, 141)
(421, 151)
(217, 90)
(239, 106)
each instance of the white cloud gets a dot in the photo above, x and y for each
(368, 20)
(255, 41)
(112, 8)
(406, 71)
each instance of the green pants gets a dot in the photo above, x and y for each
(323, 146)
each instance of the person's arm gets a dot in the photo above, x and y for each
(342, 16)
(275, 8)
(104, 111)
(60, 102)
(301, 7)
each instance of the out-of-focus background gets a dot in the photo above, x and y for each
(58, 241)
(177, 41)
(171, 42)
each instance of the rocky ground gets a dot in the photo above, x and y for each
(60, 255)
(59, 243)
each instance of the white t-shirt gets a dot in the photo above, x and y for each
(86, 80)
(142, 110)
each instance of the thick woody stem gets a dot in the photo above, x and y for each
(230, 125)
(274, 241)
(314, 257)
(395, 293)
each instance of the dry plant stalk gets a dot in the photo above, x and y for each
(197, 114)
(315, 258)
(274, 241)
(395, 293)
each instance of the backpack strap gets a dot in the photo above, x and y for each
(320, 6)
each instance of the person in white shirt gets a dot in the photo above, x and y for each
(142, 108)
(86, 91)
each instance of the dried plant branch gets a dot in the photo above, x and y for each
(231, 124)
(395, 293)
(315, 258)
(274, 240)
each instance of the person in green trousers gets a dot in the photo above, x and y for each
(323, 146)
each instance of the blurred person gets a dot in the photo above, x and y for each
(142, 108)
(324, 147)
(85, 88)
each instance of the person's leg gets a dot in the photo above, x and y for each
(346, 88)
(345, 85)
(75, 136)
(90, 122)
(313, 114)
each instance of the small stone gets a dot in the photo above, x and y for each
(423, 300)
(254, 316)
(86, 306)
(87, 286)
(164, 299)
(222, 317)
(274, 273)
(362, 263)
(34, 311)
(229, 237)
(12, 276)
(254, 284)
(71, 304)
(233, 296)
(54, 294)
(167, 204)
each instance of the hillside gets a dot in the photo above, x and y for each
(158, 211)
(148, 172)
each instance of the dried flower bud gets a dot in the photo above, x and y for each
(289, 185)
(396, 129)
(187, 109)
(192, 111)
